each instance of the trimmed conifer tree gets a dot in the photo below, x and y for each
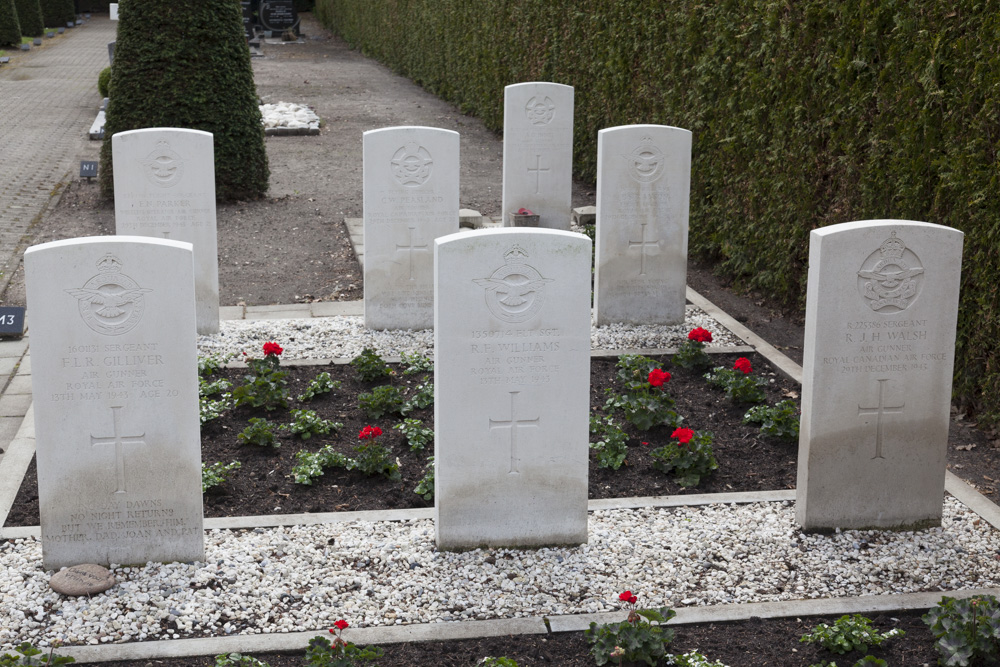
(57, 13)
(186, 64)
(29, 15)
(10, 29)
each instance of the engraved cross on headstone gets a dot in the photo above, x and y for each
(513, 423)
(410, 247)
(642, 243)
(119, 441)
(879, 410)
(537, 169)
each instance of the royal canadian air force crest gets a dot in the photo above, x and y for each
(110, 303)
(411, 165)
(646, 162)
(515, 291)
(890, 277)
(163, 166)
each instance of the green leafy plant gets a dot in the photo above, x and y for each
(425, 487)
(849, 633)
(370, 366)
(372, 458)
(238, 660)
(417, 435)
(260, 432)
(217, 473)
(867, 661)
(382, 400)
(780, 420)
(691, 354)
(693, 659)
(339, 653)
(967, 630)
(209, 409)
(610, 447)
(417, 363)
(634, 370)
(311, 464)
(738, 382)
(29, 657)
(646, 404)
(321, 384)
(306, 424)
(490, 661)
(266, 386)
(690, 458)
(639, 638)
(423, 397)
(208, 365)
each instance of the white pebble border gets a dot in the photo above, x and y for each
(346, 336)
(290, 579)
(290, 115)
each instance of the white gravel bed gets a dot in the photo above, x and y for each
(383, 573)
(346, 336)
(290, 115)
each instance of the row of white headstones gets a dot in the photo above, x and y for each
(113, 323)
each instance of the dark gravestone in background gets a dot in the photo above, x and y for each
(279, 16)
(11, 321)
(247, 19)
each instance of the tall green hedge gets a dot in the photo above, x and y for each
(185, 63)
(804, 113)
(57, 13)
(29, 15)
(10, 29)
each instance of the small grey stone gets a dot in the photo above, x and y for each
(86, 579)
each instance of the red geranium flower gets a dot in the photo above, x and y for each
(341, 624)
(683, 435)
(657, 377)
(272, 348)
(370, 432)
(743, 364)
(628, 597)
(700, 335)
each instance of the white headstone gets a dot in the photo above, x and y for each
(881, 308)
(512, 385)
(538, 152)
(410, 199)
(115, 384)
(165, 188)
(643, 188)
(113, 7)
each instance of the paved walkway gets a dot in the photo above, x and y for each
(48, 101)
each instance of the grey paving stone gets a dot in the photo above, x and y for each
(15, 405)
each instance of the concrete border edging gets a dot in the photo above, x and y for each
(15, 463)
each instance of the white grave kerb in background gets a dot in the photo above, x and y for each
(512, 385)
(538, 152)
(643, 192)
(411, 186)
(165, 188)
(881, 308)
(113, 8)
(115, 390)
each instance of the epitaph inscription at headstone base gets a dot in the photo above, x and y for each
(165, 188)
(881, 309)
(538, 152)
(643, 190)
(512, 387)
(115, 386)
(410, 199)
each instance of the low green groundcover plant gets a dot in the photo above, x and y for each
(28, 656)
(215, 474)
(370, 366)
(321, 384)
(490, 661)
(689, 457)
(425, 487)
(417, 435)
(380, 401)
(306, 424)
(867, 661)
(423, 397)
(417, 363)
(370, 458)
(780, 420)
(693, 659)
(739, 383)
(967, 630)
(639, 638)
(849, 633)
(610, 445)
(266, 386)
(260, 432)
